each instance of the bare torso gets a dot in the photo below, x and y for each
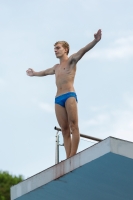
(64, 75)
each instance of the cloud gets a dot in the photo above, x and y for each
(96, 108)
(111, 122)
(128, 99)
(123, 125)
(43, 105)
(117, 124)
(46, 107)
(2, 83)
(121, 48)
(97, 120)
(124, 40)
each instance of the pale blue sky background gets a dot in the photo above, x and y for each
(104, 83)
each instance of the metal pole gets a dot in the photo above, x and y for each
(57, 148)
(57, 142)
(84, 136)
(90, 137)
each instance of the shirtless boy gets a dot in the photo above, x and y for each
(66, 98)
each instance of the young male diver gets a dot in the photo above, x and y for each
(66, 98)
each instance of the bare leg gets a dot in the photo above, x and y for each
(62, 119)
(72, 113)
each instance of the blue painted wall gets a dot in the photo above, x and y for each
(109, 177)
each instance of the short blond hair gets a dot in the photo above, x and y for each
(64, 44)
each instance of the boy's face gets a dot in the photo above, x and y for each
(59, 50)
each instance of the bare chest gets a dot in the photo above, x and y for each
(64, 70)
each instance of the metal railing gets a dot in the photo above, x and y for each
(57, 142)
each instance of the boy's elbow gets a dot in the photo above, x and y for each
(77, 56)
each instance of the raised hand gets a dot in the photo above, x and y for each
(98, 35)
(30, 72)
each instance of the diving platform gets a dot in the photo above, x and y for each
(103, 171)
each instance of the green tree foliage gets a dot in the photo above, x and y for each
(6, 181)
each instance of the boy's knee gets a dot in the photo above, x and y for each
(65, 130)
(73, 126)
(65, 127)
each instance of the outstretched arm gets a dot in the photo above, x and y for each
(50, 71)
(77, 56)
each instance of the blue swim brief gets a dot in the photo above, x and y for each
(62, 98)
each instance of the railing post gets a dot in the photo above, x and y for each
(57, 148)
(57, 143)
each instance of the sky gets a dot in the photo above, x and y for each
(103, 83)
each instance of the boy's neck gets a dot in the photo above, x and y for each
(63, 59)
